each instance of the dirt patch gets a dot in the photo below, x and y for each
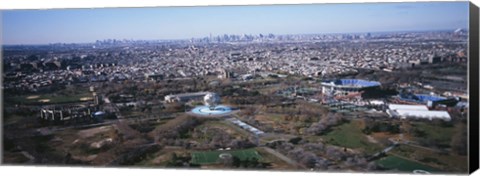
(275, 120)
(383, 135)
(160, 159)
(32, 97)
(371, 139)
(93, 131)
(44, 100)
(270, 117)
(86, 98)
(85, 158)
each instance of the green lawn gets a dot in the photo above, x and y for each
(211, 157)
(393, 162)
(350, 135)
(444, 162)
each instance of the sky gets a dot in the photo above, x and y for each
(89, 25)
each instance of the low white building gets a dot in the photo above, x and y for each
(184, 97)
(416, 111)
(407, 107)
(246, 126)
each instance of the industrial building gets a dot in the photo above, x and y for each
(425, 99)
(69, 113)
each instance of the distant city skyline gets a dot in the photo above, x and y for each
(163, 23)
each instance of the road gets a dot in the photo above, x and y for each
(414, 144)
(283, 157)
(384, 151)
(30, 157)
(50, 129)
(397, 143)
(272, 151)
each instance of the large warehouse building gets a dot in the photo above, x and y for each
(416, 111)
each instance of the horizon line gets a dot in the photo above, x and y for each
(186, 39)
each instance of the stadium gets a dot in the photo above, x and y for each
(346, 86)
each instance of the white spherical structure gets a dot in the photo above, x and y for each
(211, 99)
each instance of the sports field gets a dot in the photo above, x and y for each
(211, 157)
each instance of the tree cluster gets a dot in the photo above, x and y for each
(135, 155)
(245, 163)
(459, 140)
(214, 138)
(178, 128)
(180, 161)
(376, 126)
(324, 124)
(307, 158)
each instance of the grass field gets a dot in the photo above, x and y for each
(11, 119)
(211, 157)
(393, 162)
(228, 127)
(441, 135)
(350, 135)
(270, 117)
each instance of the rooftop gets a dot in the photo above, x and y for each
(352, 83)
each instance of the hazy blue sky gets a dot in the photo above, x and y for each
(88, 25)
